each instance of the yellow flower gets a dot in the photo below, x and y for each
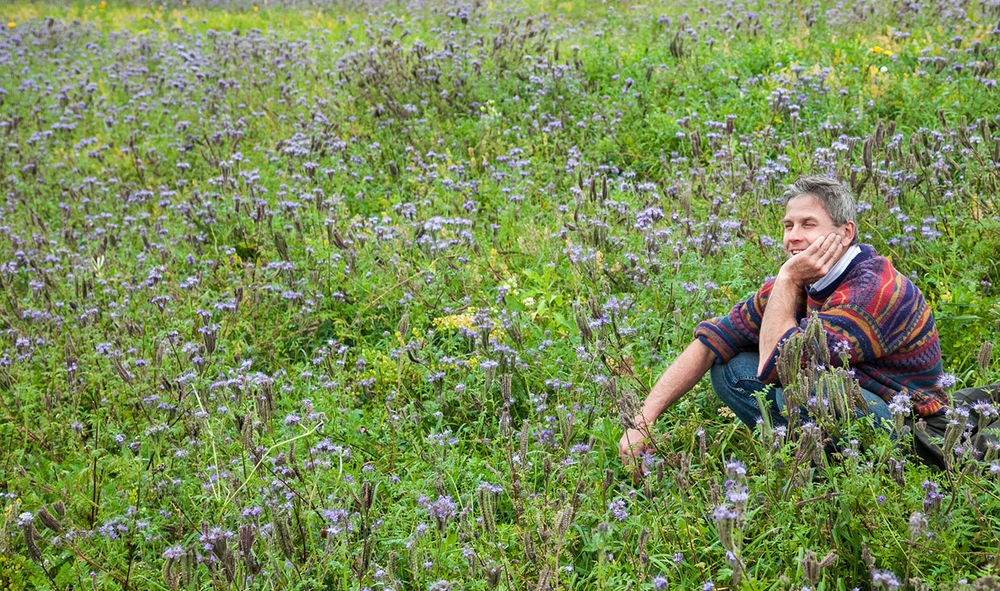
(255, 9)
(876, 49)
(454, 321)
(11, 25)
(887, 53)
(104, 4)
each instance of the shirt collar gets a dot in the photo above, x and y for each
(837, 270)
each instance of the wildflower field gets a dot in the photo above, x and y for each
(356, 295)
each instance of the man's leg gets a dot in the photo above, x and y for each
(735, 383)
(876, 407)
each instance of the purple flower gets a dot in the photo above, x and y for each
(724, 512)
(442, 510)
(738, 496)
(932, 498)
(489, 487)
(900, 404)
(173, 552)
(618, 510)
(918, 525)
(946, 381)
(985, 409)
(735, 468)
(883, 579)
(659, 583)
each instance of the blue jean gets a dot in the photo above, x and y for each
(735, 383)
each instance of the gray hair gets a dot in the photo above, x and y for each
(835, 197)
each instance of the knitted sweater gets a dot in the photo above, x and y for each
(873, 310)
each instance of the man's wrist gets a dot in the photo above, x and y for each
(785, 280)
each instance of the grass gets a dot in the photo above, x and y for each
(299, 297)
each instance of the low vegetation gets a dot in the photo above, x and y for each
(354, 295)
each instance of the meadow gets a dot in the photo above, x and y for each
(355, 295)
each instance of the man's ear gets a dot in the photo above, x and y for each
(850, 231)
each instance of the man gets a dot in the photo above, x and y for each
(867, 309)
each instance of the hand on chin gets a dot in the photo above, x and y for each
(814, 262)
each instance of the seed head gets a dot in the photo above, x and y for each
(284, 536)
(563, 520)
(529, 546)
(985, 356)
(48, 520)
(582, 324)
(725, 523)
(404, 325)
(30, 541)
(896, 471)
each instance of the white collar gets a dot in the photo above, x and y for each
(837, 270)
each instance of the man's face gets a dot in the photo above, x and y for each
(806, 221)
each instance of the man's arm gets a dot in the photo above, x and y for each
(807, 267)
(678, 379)
(779, 317)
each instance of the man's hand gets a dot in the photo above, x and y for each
(677, 380)
(813, 263)
(632, 445)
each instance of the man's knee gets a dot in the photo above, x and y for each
(742, 368)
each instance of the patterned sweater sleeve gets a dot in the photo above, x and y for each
(737, 331)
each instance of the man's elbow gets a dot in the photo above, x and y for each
(765, 369)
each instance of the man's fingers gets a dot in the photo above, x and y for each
(816, 246)
(631, 446)
(637, 472)
(830, 247)
(633, 463)
(829, 243)
(833, 247)
(632, 452)
(819, 246)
